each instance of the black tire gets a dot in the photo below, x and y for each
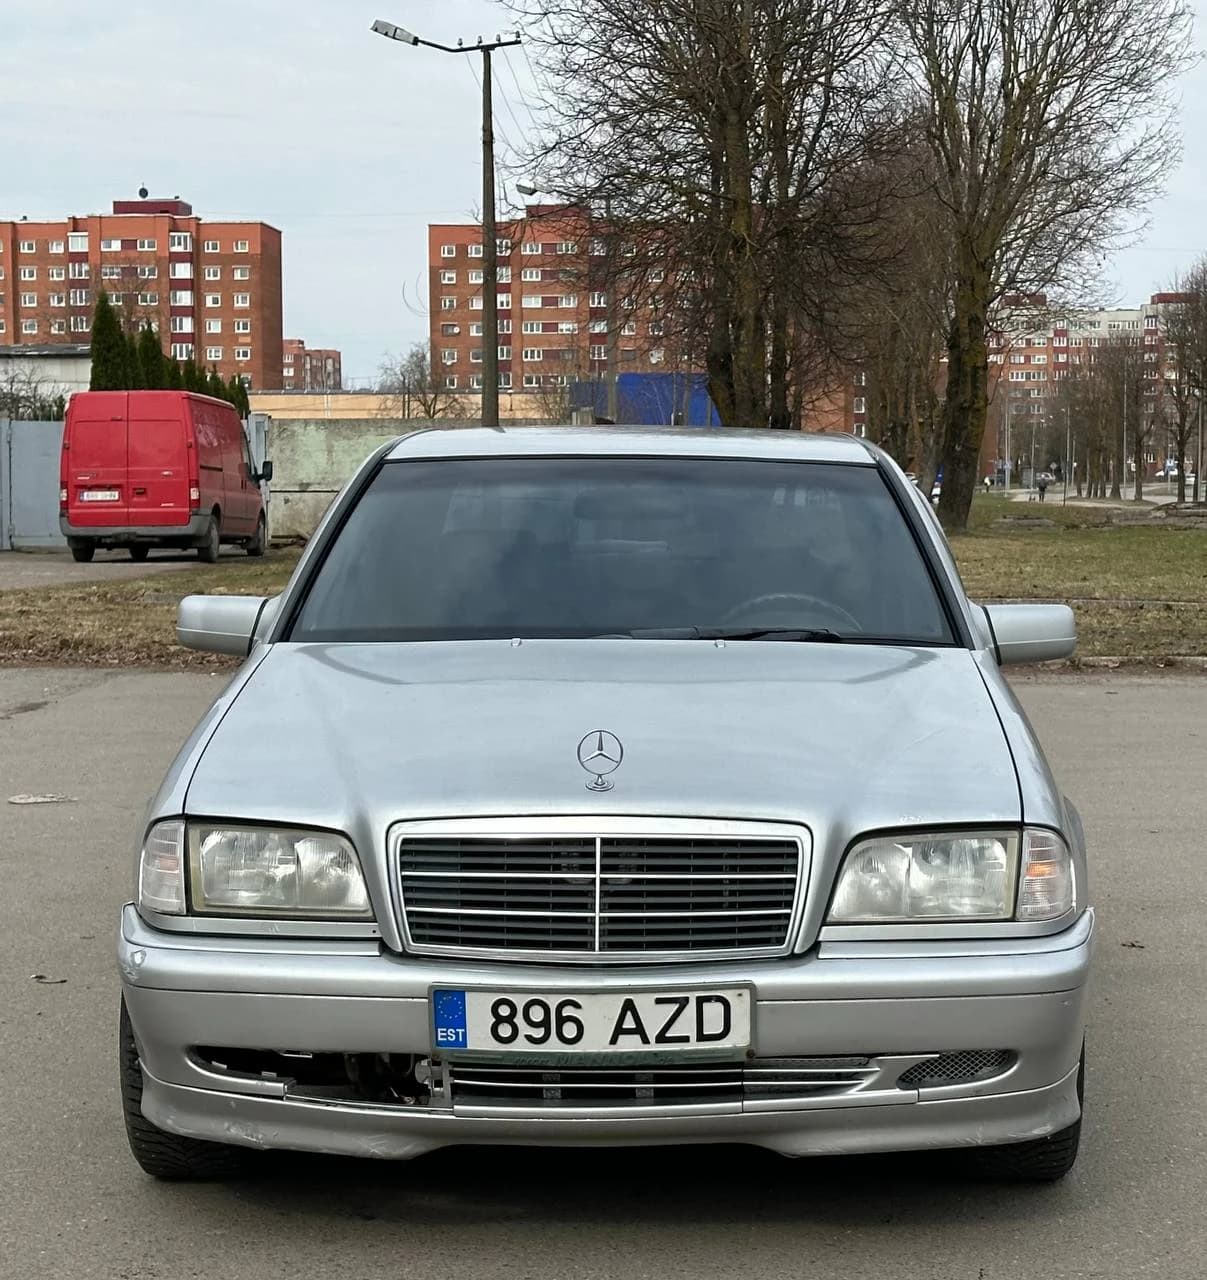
(139, 551)
(165, 1155)
(210, 547)
(258, 544)
(82, 551)
(1040, 1160)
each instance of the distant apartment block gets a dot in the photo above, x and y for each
(310, 368)
(211, 289)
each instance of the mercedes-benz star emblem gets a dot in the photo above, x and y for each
(600, 753)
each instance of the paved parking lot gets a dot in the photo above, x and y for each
(53, 568)
(72, 1203)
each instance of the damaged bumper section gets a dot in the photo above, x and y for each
(328, 1046)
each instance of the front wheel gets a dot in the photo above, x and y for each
(212, 543)
(82, 551)
(257, 545)
(161, 1154)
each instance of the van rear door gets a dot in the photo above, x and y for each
(157, 459)
(94, 459)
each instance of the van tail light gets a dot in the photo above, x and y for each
(62, 499)
(194, 495)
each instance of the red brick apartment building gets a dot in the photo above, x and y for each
(553, 317)
(212, 289)
(310, 368)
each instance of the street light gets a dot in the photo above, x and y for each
(490, 242)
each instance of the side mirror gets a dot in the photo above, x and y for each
(265, 470)
(219, 624)
(1031, 632)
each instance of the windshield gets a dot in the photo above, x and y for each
(484, 548)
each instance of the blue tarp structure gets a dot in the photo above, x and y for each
(651, 399)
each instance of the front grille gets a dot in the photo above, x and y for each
(615, 897)
(968, 1066)
(500, 1084)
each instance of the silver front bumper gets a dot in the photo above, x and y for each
(1026, 995)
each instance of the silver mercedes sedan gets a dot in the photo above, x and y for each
(596, 787)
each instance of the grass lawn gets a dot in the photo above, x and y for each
(1137, 592)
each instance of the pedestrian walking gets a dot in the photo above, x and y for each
(1043, 485)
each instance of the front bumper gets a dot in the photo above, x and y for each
(105, 534)
(1025, 995)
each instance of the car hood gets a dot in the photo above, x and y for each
(843, 738)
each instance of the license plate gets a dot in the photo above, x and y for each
(643, 1022)
(98, 495)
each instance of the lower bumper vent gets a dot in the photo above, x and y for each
(968, 1066)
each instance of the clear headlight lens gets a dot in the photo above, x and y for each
(252, 871)
(955, 876)
(161, 869)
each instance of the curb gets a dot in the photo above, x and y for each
(1173, 662)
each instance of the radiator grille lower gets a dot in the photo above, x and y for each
(965, 1067)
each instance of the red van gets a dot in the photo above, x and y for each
(143, 469)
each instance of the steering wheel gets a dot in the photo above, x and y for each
(776, 598)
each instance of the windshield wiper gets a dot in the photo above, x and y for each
(808, 635)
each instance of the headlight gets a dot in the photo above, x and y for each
(251, 871)
(954, 876)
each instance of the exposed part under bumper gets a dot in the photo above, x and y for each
(105, 533)
(401, 1133)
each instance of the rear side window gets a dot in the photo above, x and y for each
(483, 548)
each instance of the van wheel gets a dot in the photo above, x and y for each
(165, 1155)
(209, 548)
(139, 551)
(257, 545)
(81, 550)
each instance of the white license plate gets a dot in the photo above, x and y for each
(98, 495)
(687, 1019)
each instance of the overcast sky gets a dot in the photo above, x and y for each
(293, 112)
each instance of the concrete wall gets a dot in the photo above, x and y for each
(362, 405)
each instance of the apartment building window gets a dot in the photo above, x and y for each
(630, 328)
(180, 270)
(503, 248)
(448, 250)
(1018, 375)
(148, 299)
(118, 299)
(243, 354)
(213, 326)
(504, 302)
(181, 297)
(182, 350)
(599, 353)
(1061, 357)
(180, 242)
(567, 246)
(450, 382)
(504, 326)
(504, 353)
(861, 379)
(598, 300)
(450, 330)
(56, 246)
(80, 297)
(504, 381)
(531, 326)
(598, 249)
(77, 242)
(475, 304)
(147, 246)
(532, 300)
(597, 326)
(475, 251)
(213, 273)
(504, 275)
(3, 326)
(567, 326)
(1039, 359)
(28, 273)
(27, 246)
(448, 355)
(241, 273)
(242, 299)
(475, 356)
(530, 273)
(78, 270)
(243, 326)
(1017, 359)
(568, 300)
(213, 299)
(532, 379)
(111, 246)
(111, 273)
(57, 273)
(629, 304)
(215, 353)
(80, 324)
(475, 277)
(212, 246)
(58, 299)
(148, 273)
(1151, 322)
(475, 381)
(1060, 342)
(859, 405)
(29, 326)
(530, 249)
(241, 246)
(475, 329)
(182, 324)
(657, 276)
(448, 304)
(533, 353)
(448, 277)
(29, 299)
(657, 328)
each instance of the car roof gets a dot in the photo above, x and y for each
(474, 442)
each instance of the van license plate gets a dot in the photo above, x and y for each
(98, 495)
(575, 1023)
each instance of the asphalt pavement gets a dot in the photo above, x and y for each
(73, 1204)
(55, 568)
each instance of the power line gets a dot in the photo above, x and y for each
(520, 91)
(503, 97)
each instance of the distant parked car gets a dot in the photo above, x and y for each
(1167, 473)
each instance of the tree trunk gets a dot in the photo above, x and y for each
(1138, 463)
(966, 405)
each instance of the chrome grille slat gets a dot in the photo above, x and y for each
(613, 894)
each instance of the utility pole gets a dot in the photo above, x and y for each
(490, 241)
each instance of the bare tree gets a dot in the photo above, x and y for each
(1050, 124)
(412, 389)
(1185, 339)
(26, 394)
